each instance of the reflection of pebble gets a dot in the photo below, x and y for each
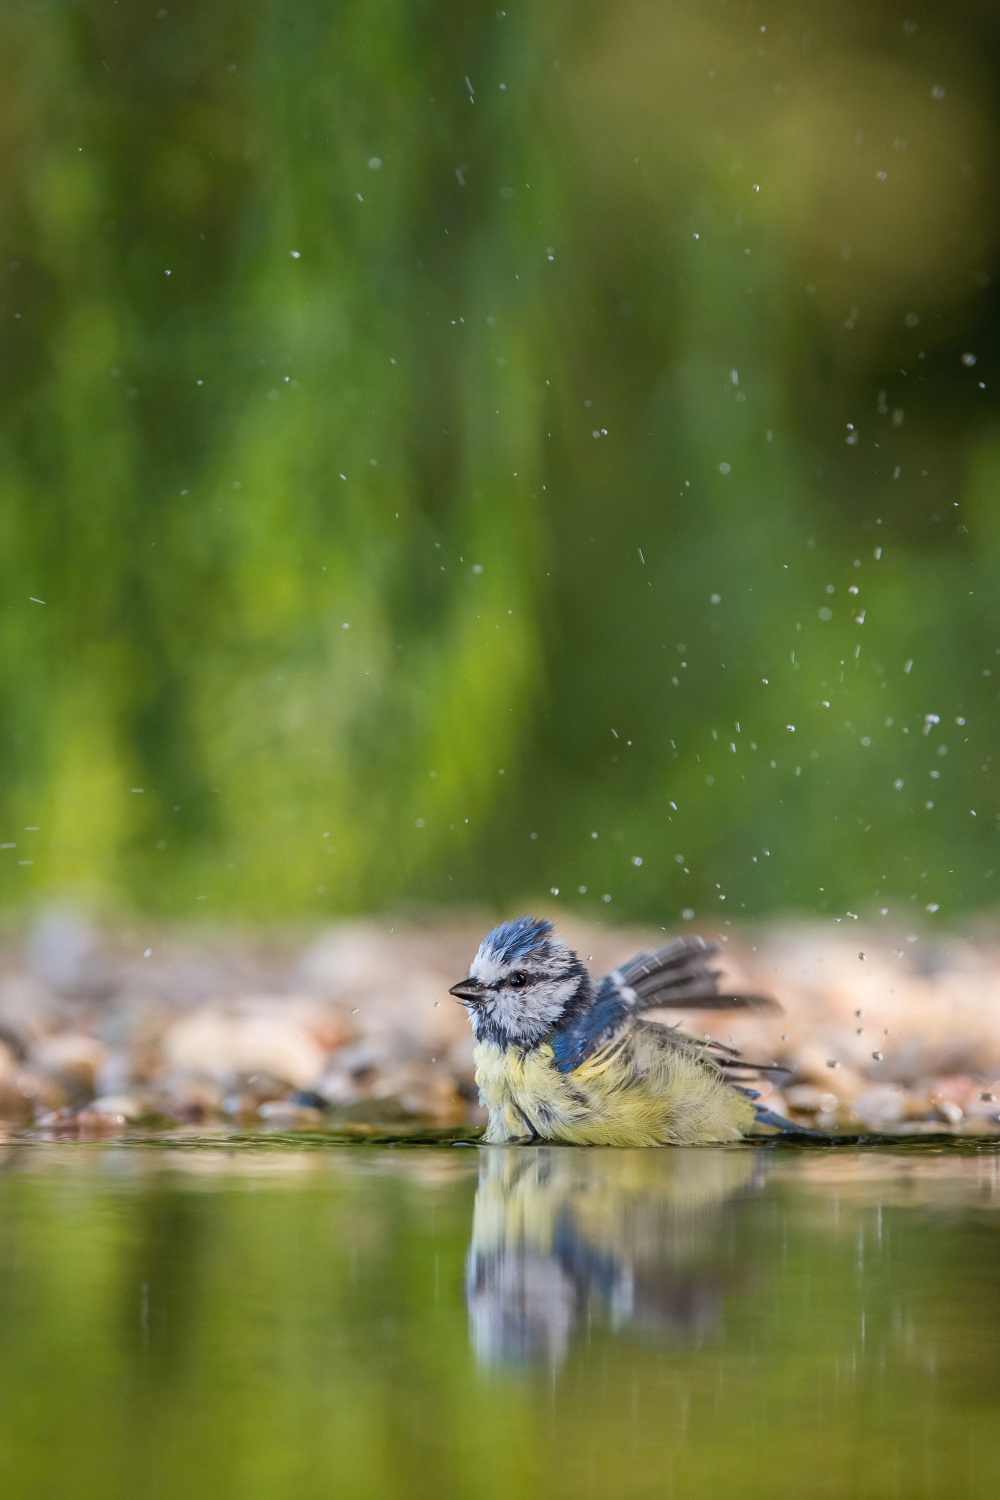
(97, 1034)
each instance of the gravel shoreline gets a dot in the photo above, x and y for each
(103, 1028)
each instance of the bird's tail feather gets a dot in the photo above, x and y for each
(785, 1127)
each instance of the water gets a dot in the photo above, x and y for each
(419, 1320)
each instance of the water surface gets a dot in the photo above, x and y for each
(489, 1322)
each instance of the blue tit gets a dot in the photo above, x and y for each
(557, 1060)
(567, 1240)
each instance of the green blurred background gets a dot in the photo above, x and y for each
(455, 445)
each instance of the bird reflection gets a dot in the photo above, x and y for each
(563, 1238)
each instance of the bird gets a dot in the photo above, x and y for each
(559, 1060)
(566, 1241)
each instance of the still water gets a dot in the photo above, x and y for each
(490, 1322)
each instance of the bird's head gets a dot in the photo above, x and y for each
(523, 980)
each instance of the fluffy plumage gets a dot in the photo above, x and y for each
(557, 1061)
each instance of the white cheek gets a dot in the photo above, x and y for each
(508, 1013)
(525, 1012)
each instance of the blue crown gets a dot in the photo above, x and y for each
(517, 939)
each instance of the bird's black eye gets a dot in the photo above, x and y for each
(518, 980)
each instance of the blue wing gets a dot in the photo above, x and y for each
(605, 1018)
(676, 975)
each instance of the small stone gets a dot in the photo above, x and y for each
(123, 1106)
(283, 1114)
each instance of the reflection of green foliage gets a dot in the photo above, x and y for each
(442, 296)
(298, 1329)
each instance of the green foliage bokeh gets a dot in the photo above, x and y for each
(445, 444)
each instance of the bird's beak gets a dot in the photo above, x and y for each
(468, 992)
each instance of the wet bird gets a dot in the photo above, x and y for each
(558, 1060)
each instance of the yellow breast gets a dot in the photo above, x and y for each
(639, 1091)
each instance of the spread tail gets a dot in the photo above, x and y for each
(785, 1127)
